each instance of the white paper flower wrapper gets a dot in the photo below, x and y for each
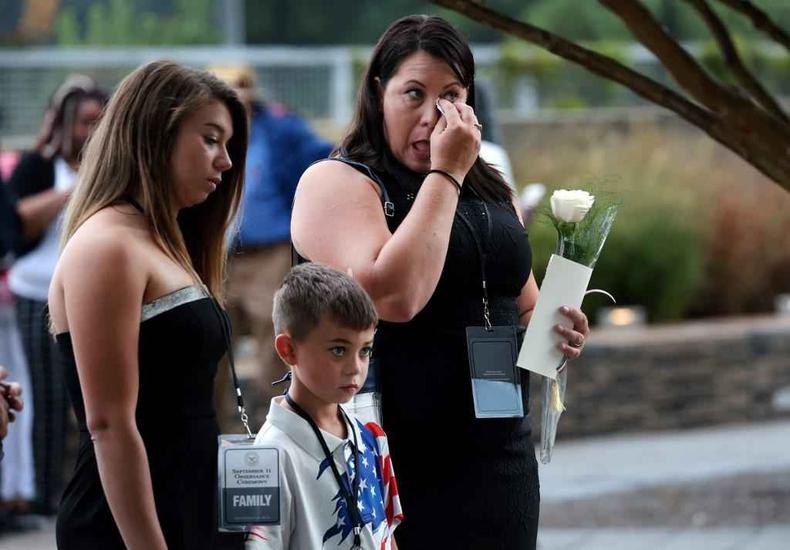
(565, 284)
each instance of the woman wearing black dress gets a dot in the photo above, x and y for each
(132, 305)
(464, 482)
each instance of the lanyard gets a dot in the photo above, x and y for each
(482, 256)
(225, 322)
(226, 330)
(350, 498)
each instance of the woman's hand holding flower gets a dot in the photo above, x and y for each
(574, 337)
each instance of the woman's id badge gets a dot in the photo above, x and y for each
(249, 484)
(496, 385)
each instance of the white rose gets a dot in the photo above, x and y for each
(571, 206)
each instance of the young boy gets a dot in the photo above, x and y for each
(337, 486)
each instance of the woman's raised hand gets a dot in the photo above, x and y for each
(455, 141)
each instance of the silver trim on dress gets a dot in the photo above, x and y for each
(173, 300)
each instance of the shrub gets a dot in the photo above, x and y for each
(700, 232)
(747, 260)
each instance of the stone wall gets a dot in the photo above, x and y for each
(677, 376)
(651, 378)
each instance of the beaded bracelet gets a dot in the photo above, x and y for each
(448, 176)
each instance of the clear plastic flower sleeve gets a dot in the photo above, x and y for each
(553, 400)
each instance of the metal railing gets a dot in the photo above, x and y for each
(317, 82)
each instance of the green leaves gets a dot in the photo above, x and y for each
(119, 23)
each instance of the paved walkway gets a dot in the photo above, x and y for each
(605, 467)
(763, 538)
(598, 465)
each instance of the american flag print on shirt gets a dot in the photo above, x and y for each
(377, 499)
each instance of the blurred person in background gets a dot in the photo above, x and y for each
(10, 404)
(41, 183)
(17, 484)
(491, 149)
(9, 394)
(281, 148)
(9, 224)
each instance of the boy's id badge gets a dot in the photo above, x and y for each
(249, 484)
(496, 385)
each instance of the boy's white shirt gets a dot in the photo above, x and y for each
(308, 501)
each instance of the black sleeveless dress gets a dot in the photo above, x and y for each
(464, 482)
(181, 341)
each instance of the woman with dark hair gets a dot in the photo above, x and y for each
(42, 182)
(133, 306)
(410, 209)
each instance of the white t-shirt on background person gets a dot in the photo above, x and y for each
(31, 274)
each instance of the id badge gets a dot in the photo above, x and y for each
(496, 385)
(249, 484)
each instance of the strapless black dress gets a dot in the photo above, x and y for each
(181, 342)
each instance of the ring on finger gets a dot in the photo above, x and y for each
(577, 345)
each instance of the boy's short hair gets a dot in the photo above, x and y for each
(310, 291)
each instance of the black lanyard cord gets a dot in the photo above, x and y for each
(482, 256)
(351, 499)
(225, 322)
(225, 326)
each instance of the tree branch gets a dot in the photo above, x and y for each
(599, 64)
(737, 112)
(733, 60)
(681, 65)
(760, 20)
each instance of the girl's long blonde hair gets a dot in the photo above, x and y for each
(129, 156)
